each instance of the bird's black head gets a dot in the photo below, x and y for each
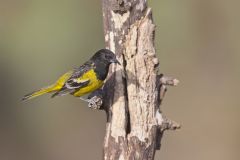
(106, 56)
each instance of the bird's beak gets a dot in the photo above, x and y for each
(116, 61)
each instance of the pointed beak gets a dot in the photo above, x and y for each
(116, 61)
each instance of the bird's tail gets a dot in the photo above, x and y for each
(40, 92)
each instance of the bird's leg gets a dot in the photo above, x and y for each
(83, 99)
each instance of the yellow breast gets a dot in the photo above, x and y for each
(93, 85)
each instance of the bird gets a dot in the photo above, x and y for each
(81, 80)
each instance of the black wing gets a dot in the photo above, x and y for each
(75, 82)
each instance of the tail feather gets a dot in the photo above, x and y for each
(40, 92)
(62, 92)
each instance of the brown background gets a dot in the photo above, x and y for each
(197, 41)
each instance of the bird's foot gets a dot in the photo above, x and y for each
(94, 102)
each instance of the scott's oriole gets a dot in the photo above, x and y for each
(82, 80)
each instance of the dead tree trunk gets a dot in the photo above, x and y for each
(133, 91)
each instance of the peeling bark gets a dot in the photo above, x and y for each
(134, 91)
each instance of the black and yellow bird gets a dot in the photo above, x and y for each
(82, 80)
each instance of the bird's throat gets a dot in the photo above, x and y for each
(101, 70)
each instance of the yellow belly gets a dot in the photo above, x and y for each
(93, 85)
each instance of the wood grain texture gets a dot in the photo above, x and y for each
(133, 92)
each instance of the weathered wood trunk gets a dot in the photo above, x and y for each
(134, 90)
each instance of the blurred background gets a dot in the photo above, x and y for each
(197, 41)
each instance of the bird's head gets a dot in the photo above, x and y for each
(106, 56)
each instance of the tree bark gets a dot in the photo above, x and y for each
(133, 91)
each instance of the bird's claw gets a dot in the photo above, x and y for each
(95, 102)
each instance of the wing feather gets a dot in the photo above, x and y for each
(76, 81)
